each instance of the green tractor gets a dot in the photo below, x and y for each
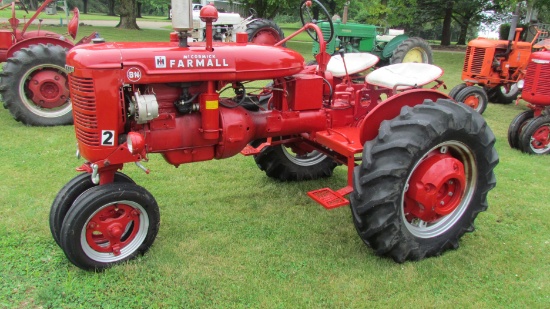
(392, 47)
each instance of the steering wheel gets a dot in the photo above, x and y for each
(311, 8)
(23, 6)
(252, 12)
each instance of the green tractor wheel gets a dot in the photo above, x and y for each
(412, 50)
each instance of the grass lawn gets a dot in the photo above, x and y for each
(232, 237)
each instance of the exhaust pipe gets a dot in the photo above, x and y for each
(182, 19)
(512, 33)
(513, 24)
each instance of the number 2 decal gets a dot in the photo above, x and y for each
(107, 138)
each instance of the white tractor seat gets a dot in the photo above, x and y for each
(355, 62)
(404, 75)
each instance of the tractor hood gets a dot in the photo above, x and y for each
(167, 62)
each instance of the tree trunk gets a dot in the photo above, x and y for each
(332, 7)
(32, 4)
(85, 6)
(138, 13)
(463, 33)
(127, 9)
(384, 15)
(111, 8)
(446, 32)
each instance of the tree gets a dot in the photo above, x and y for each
(111, 6)
(128, 12)
(269, 8)
(473, 13)
(32, 4)
(542, 8)
(138, 12)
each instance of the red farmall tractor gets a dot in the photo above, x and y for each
(33, 83)
(419, 165)
(530, 130)
(492, 69)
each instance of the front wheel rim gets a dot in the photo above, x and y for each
(462, 193)
(540, 140)
(109, 238)
(473, 101)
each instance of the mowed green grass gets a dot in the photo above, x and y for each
(231, 237)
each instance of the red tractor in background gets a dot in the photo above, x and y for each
(419, 165)
(530, 130)
(492, 69)
(33, 83)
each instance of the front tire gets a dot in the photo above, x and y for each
(475, 97)
(535, 136)
(108, 225)
(68, 194)
(34, 86)
(423, 180)
(412, 50)
(516, 127)
(291, 162)
(456, 89)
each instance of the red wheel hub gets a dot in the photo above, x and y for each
(436, 188)
(472, 101)
(112, 228)
(541, 138)
(49, 88)
(266, 37)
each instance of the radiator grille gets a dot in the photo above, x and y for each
(84, 110)
(537, 79)
(477, 55)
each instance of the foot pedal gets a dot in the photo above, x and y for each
(249, 150)
(328, 198)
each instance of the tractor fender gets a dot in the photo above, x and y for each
(391, 108)
(37, 40)
(387, 52)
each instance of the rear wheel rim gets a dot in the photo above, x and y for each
(44, 92)
(307, 159)
(417, 55)
(509, 94)
(441, 224)
(266, 37)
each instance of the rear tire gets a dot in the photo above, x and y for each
(108, 225)
(516, 127)
(474, 97)
(68, 194)
(412, 50)
(278, 162)
(535, 136)
(503, 97)
(448, 147)
(264, 32)
(34, 86)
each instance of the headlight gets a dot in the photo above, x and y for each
(521, 83)
(135, 142)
